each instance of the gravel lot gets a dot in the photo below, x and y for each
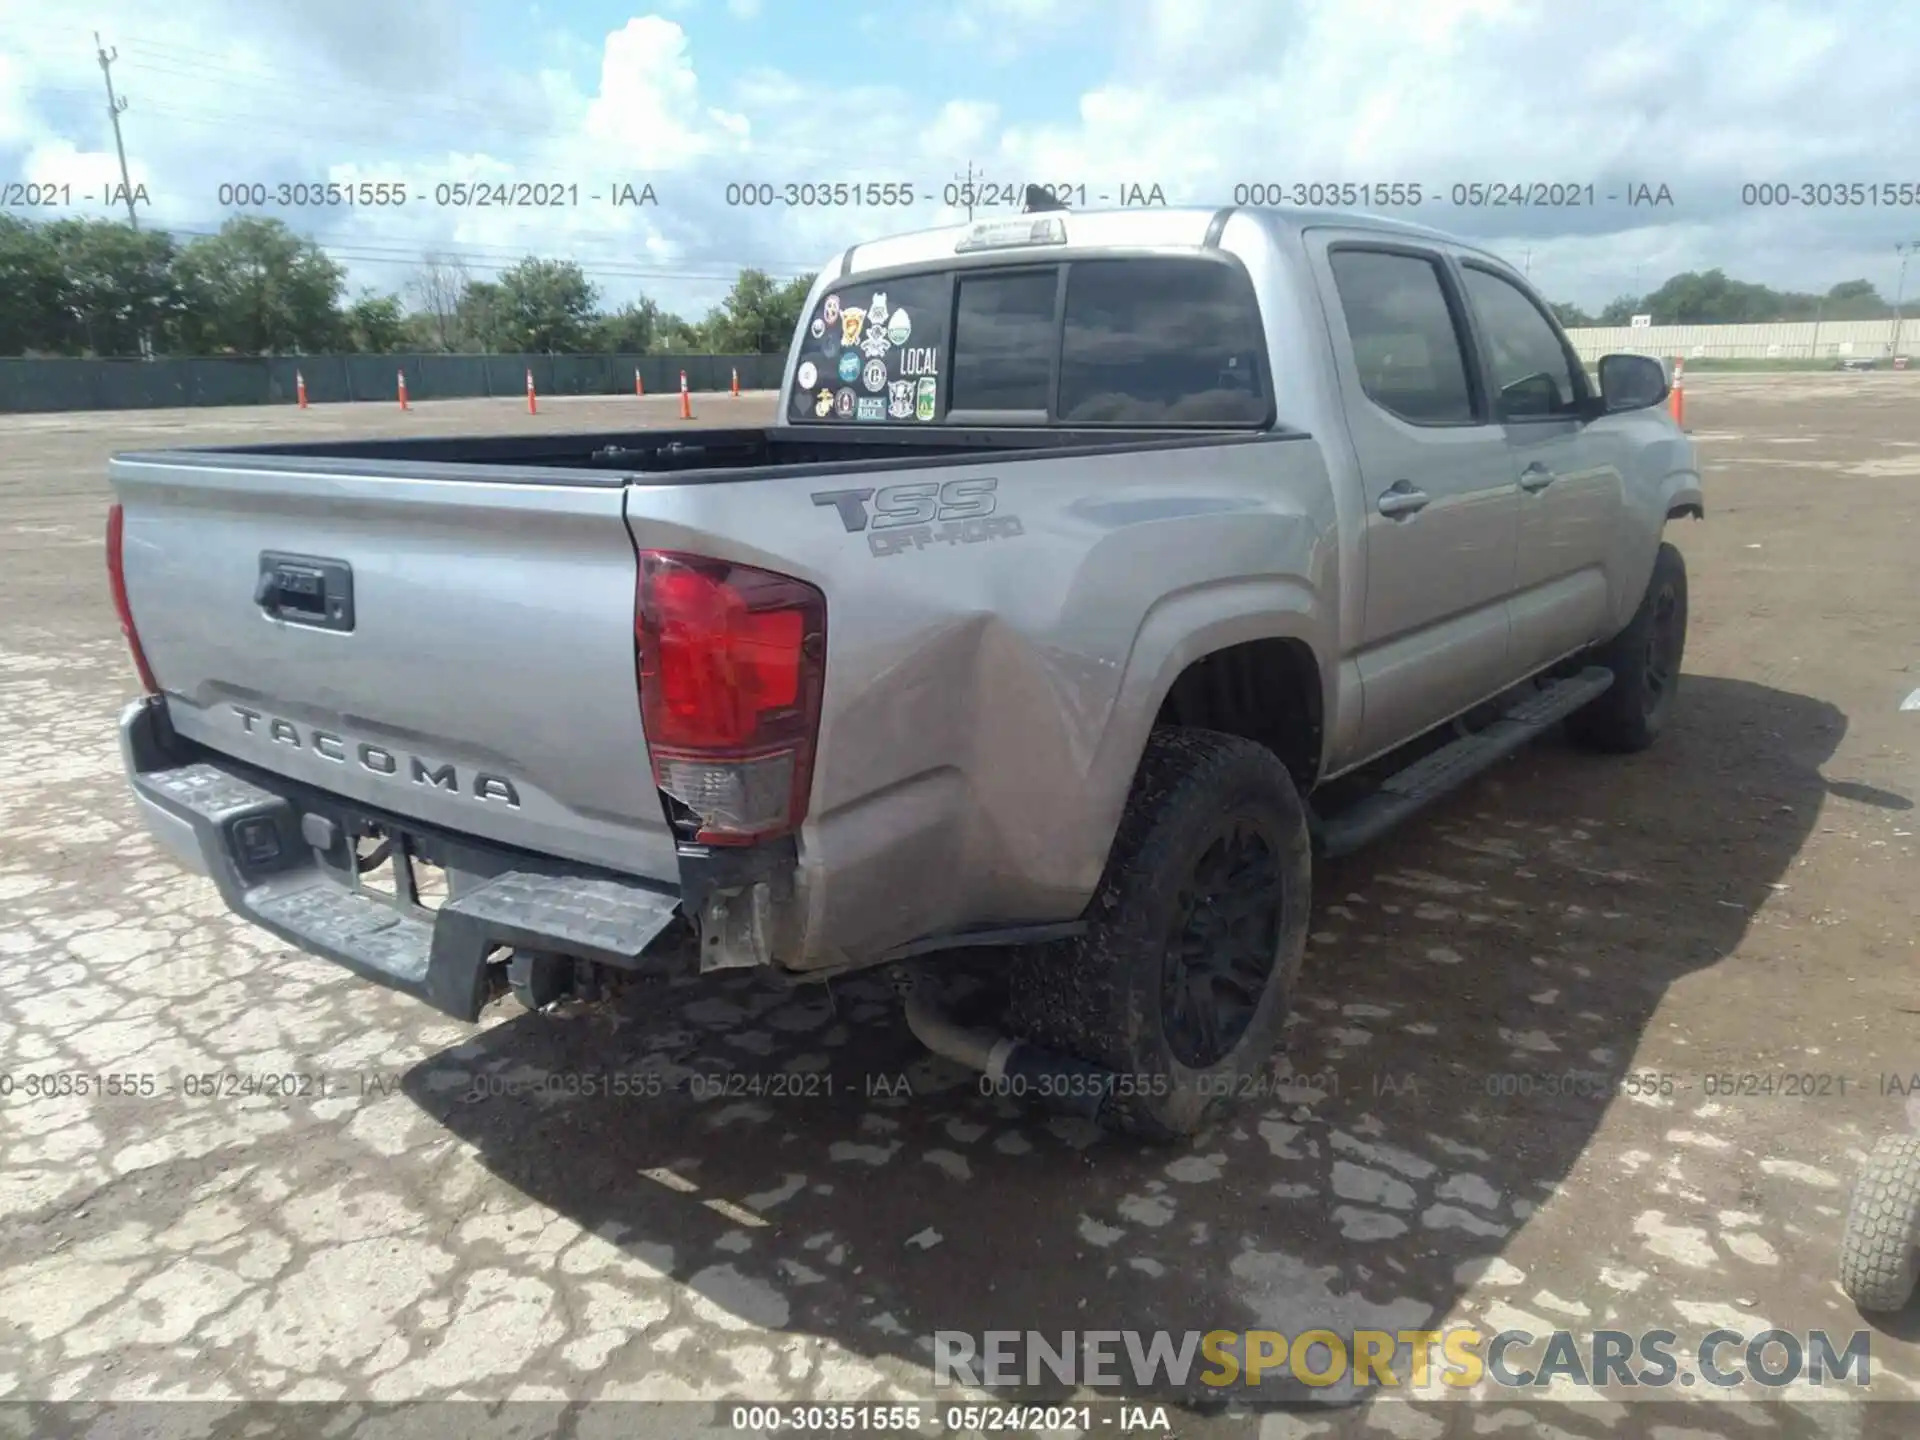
(1739, 901)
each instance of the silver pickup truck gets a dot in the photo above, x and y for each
(1100, 571)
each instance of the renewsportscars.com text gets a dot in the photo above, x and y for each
(1457, 1358)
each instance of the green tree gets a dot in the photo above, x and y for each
(256, 288)
(546, 305)
(376, 324)
(1855, 300)
(1621, 309)
(758, 316)
(1709, 297)
(630, 330)
(1570, 316)
(117, 289)
(677, 336)
(30, 289)
(480, 320)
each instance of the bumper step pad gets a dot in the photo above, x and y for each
(437, 956)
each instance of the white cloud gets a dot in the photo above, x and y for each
(1208, 94)
(1196, 96)
(646, 108)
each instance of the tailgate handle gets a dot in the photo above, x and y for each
(304, 590)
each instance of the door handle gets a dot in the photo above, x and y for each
(1536, 477)
(1402, 500)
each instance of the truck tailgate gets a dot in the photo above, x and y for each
(458, 650)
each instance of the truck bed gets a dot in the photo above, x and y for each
(694, 456)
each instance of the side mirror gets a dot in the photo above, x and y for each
(1631, 382)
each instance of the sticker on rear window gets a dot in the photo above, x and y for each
(877, 343)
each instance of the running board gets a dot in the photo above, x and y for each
(1432, 776)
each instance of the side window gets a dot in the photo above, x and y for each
(1003, 342)
(1405, 343)
(1161, 342)
(1531, 373)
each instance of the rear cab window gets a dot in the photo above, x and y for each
(1142, 342)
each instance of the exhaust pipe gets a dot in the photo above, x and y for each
(1017, 1068)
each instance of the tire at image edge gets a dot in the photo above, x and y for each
(1880, 1249)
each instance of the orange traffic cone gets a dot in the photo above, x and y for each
(686, 398)
(639, 387)
(533, 404)
(403, 389)
(1677, 403)
(300, 388)
(736, 383)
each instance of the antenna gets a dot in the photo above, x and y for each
(1041, 197)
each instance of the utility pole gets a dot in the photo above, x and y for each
(1526, 263)
(967, 193)
(116, 104)
(1904, 249)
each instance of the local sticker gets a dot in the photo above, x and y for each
(877, 309)
(899, 328)
(818, 328)
(900, 399)
(850, 366)
(823, 404)
(807, 375)
(920, 360)
(875, 345)
(874, 377)
(870, 408)
(924, 397)
(830, 312)
(843, 404)
(850, 323)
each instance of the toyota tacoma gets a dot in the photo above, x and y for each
(1099, 573)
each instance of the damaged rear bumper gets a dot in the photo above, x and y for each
(283, 856)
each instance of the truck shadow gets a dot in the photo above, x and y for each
(1476, 992)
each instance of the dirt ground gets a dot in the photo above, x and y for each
(1459, 1141)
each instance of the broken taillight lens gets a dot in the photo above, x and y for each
(731, 662)
(117, 578)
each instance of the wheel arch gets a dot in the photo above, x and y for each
(1283, 618)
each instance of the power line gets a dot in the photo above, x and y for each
(372, 252)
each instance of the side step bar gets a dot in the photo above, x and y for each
(1432, 776)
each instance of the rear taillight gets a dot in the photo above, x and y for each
(117, 577)
(731, 662)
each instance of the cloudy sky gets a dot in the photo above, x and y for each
(1193, 96)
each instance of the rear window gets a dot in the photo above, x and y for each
(1139, 342)
(1004, 339)
(1161, 342)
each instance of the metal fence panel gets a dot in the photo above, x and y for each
(33, 385)
(1786, 340)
